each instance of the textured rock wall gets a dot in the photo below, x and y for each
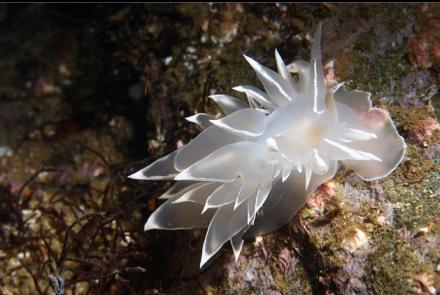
(88, 91)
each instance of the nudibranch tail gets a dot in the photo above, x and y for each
(248, 173)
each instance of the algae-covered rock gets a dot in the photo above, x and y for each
(90, 93)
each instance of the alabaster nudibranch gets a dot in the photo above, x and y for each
(249, 172)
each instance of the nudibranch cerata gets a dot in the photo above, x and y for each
(249, 172)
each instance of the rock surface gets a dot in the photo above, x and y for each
(87, 91)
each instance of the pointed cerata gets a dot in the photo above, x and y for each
(249, 172)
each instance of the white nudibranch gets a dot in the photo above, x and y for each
(249, 172)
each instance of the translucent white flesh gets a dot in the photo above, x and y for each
(185, 215)
(205, 143)
(230, 163)
(228, 104)
(285, 199)
(201, 119)
(162, 168)
(245, 122)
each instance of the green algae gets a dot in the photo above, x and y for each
(419, 206)
(435, 100)
(393, 264)
(394, 261)
(377, 74)
(414, 188)
(341, 222)
(413, 119)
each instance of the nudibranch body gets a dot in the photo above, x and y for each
(249, 172)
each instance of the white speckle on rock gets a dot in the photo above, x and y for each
(355, 240)
(167, 60)
(5, 151)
